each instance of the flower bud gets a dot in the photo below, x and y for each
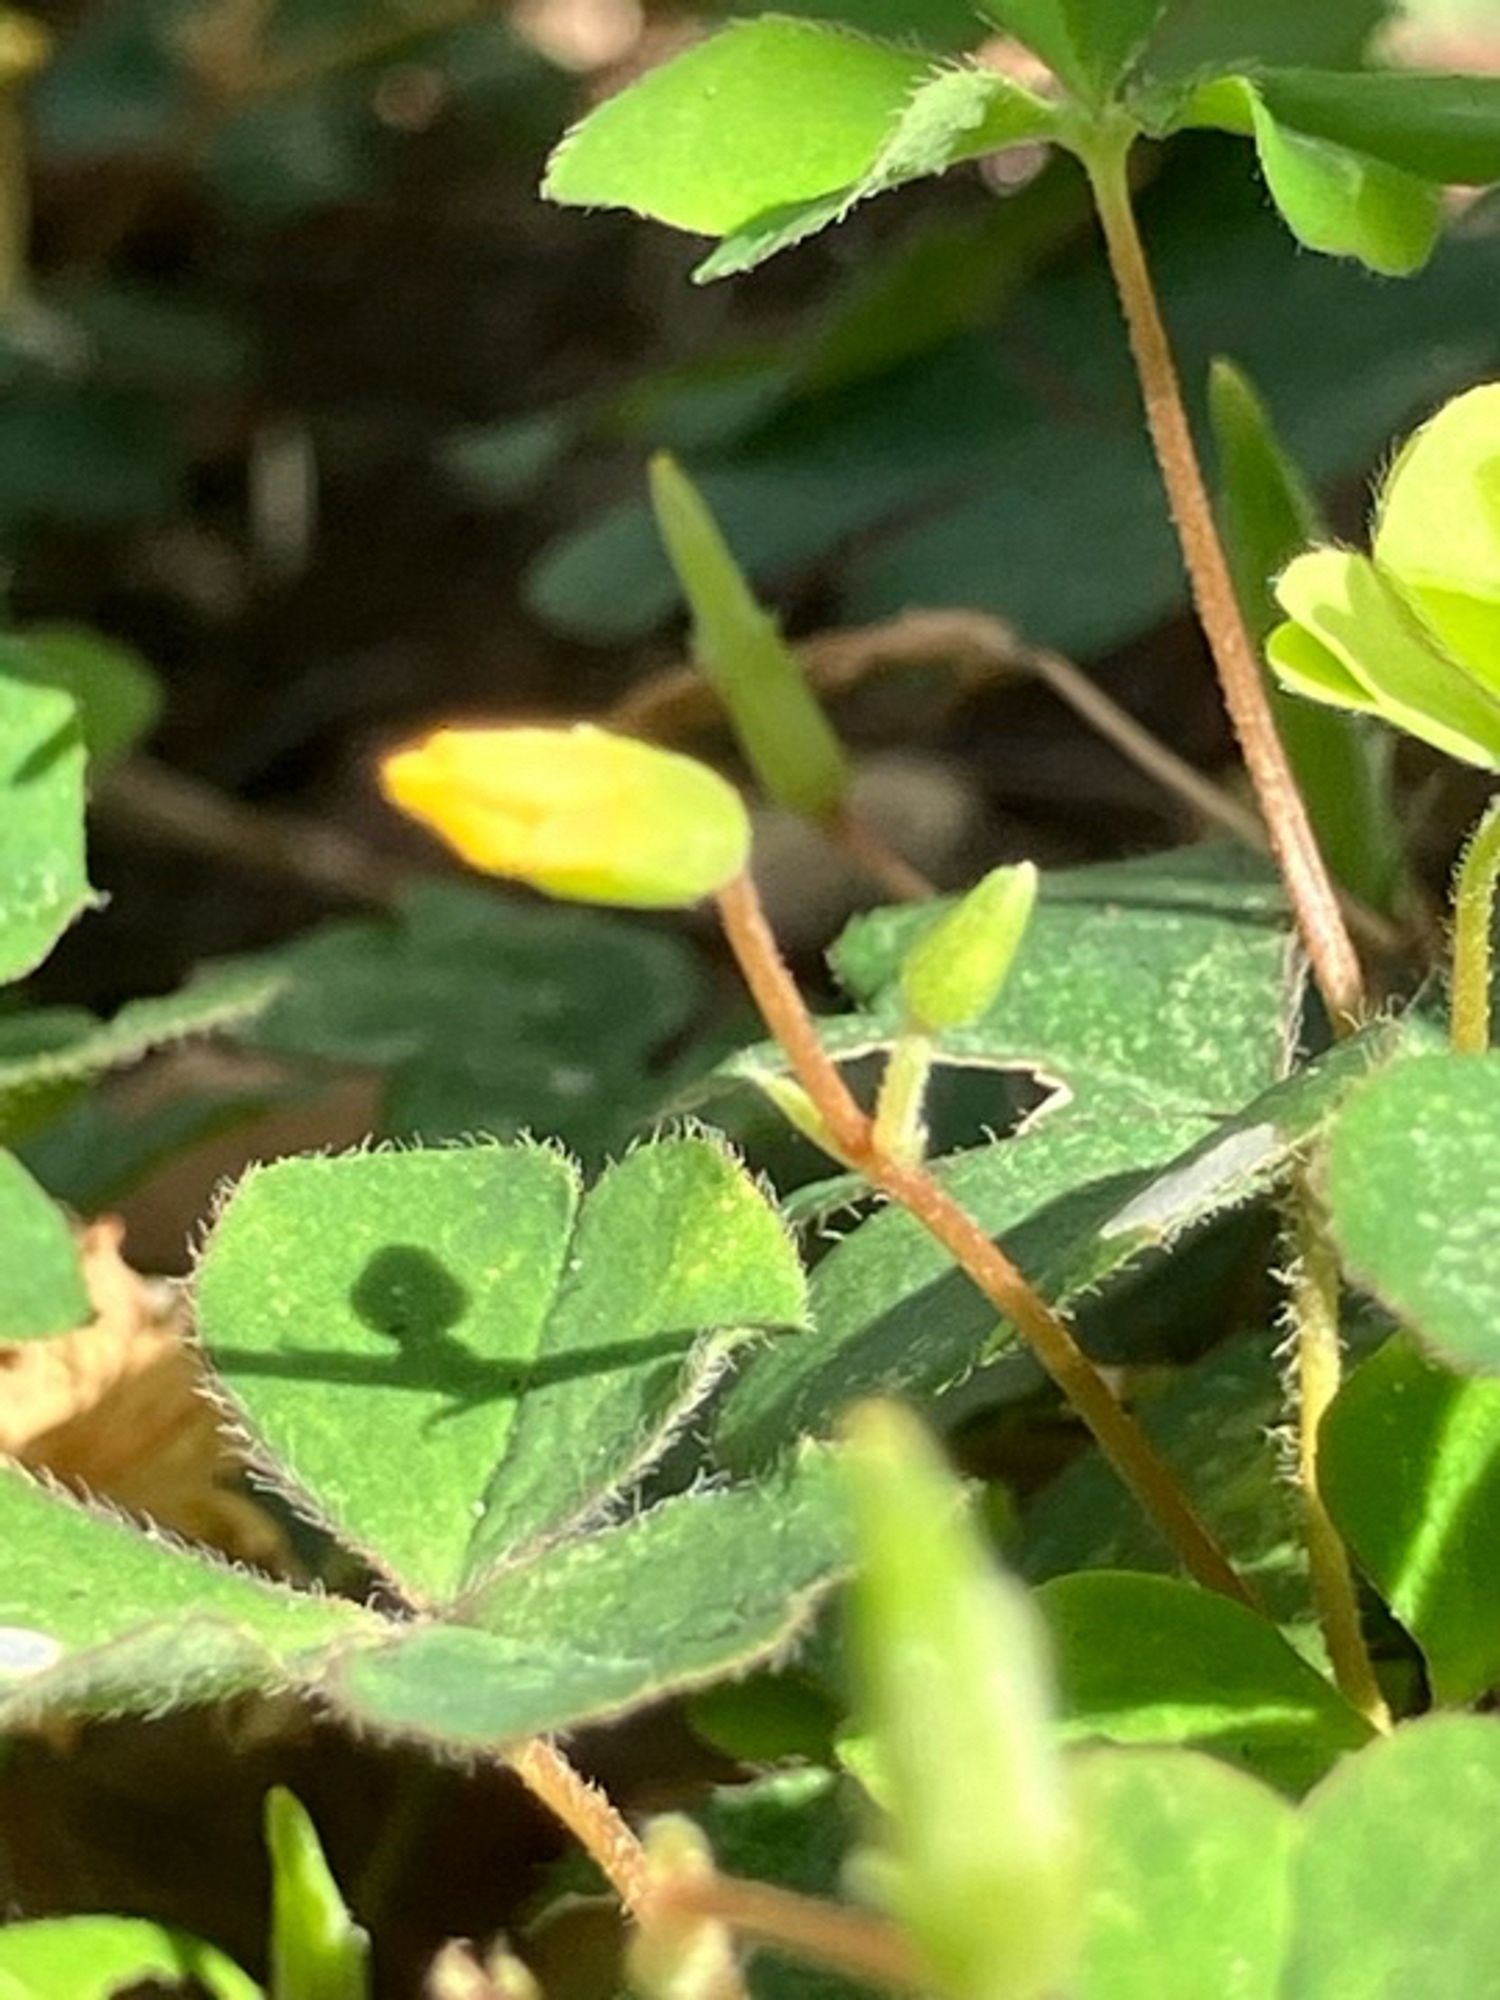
(789, 742)
(954, 972)
(576, 812)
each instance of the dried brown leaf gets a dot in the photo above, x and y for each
(117, 1409)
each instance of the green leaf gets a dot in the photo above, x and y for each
(117, 695)
(1215, 1426)
(43, 884)
(1185, 1878)
(457, 1315)
(945, 24)
(318, 1952)
(1437, 531)
(956, 115)
(1416, 1216)
(704, 1586)
(94, 1958)
(1102, 989)
(764, 114)
(48, 1055)
(950, 1677)
(41, 1285)
(1440, 128)
(774, 128)
(1090, 44)
(96, 1151)
(1196, 37)
(1353, 641)
(788, 740)
(1393, 1882)
(1409, 1461)
(1334, 198)
(1342, 763)
(1148, 1659)
(96, 1618)
(488, 1015)
(1109, 1002)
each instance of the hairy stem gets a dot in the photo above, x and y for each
(1314, 1307)
(588, 1815)
(1314, 900)
(1046, 1333)
(1473, 934)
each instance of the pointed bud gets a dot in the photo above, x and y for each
(954, 972)
(787, 739)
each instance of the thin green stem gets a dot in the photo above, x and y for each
(1119, 1437)
(1314, 1306)
(899, 1127)
(1314, 900)
(1474, 891)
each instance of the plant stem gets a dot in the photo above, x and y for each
(844, 1940)
(588, 1815)
(899, 1128)
(1046, 1333)
(1314, 1307)
(1314, 900)
(1473, 933)
(871, 852)
(774, 992)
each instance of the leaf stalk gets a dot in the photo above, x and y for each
(1314, 899)
(1121, 1439)
(1314, 1309)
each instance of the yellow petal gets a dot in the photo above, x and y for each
(578, 813)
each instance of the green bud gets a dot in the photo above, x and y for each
(952, 1681)
(788, 741)
(954, 972)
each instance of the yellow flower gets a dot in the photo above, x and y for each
(1411, 632)
(577, 812)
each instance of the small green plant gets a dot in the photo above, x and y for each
(596, 1437)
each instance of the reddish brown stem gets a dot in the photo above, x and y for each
(774, 992)
(872, 852)
(588, 1814)
(823, 1933)
(1045, 1332)
(1314, 900)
